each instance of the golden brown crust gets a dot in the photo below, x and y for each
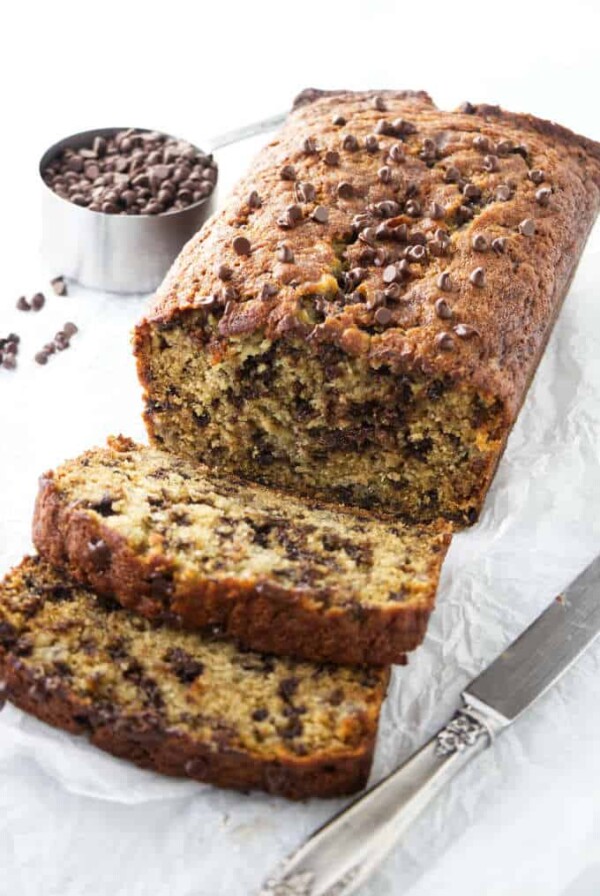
(257, 613)
(524, 284)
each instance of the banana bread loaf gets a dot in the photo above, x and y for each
(173, 542)
(362, 319)
(179, 703)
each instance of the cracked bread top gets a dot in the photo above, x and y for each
(437, 243)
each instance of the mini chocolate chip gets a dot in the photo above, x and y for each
(499, 244)
(385, 174)
(285, 254)
(339, 121)
(503, 193)
(444, 342)
(350, 143)
(471, 192)
(23, 304)
(368, 235)
(504, 147)
(435, 211)
(186, 668)
(305, 192)
(396, 153)
(9, 362)
(371, 143)
(254, 200)
(320, 214)
(241, 245)
(383, 316)
(452, 175)
(467, 108)
(288, 172)
(345, 190)
(417, 253)
(332, 158)
(413, 208)
(392, 291)
(99, 554)
(287, 688)
(224, 272)
(479, 243)
(536, 175)
(390, 273)
(291, 216)
(542, 196)
(268, 290)
(38, 301)
(259, 715)
(481, 143)
(70, 329)
(309, 146)
(443, 309)
(464, 331)
(379, 104)
(527, 227)
(490, 163)
(41, 357)
(403, 128)
(477, 277)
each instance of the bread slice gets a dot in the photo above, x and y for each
(275, 573)
(178, 702)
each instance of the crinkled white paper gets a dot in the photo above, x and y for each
(523, 820)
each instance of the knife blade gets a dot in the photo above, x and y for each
(342, 854)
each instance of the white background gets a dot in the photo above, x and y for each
(525, 821)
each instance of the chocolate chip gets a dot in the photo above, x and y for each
(241, 245)
(23, 304)
(504, 147)
(499, 244)
(38, 301)
(435, 211)
(413, 208)
(536, 175)
(186, 668)
(268, 290)
(371, 143)
(345, 190)
(443, 309)
(452, 175)
(259, 715)
(390, 274)
(542, 196)
(41, 357)
(320, 214)
(477, 277)
(287, 688)
(285, 254)
(479, 243)
(305, 192)
(490, 163)
(392, 292)
(70, 329)
(471, 192)
(254, 200)
(291, 216)
(99, 554)
(444, 342)
(503, 193)
(9, 362)
(288, 172)
(309, 146)
(396, 153)
(417, 253)
(464, 331)
(403, 128)
(467, 108)
(339, 121)
(527, 227)
(224, 272)
(379, 104)
(350, 143)
(383, 316)
(385, 174)
(482, 143)
(332, 158)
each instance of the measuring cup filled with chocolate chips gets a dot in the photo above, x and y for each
(118, 204)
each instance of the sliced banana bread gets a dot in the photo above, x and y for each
(178, 702)
(173, 542)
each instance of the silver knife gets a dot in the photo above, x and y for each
(342, 854)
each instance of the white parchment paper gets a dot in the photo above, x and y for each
(524, 819)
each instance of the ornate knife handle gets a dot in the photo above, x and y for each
(342, 854)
